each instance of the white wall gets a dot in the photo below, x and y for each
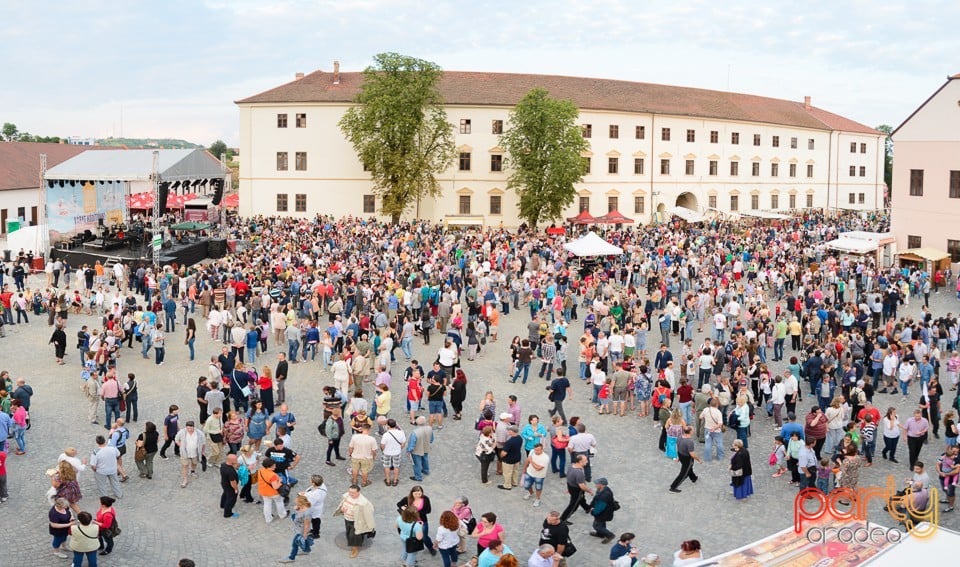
(11, 199)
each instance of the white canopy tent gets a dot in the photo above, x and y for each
(764, 214)
(592, 245)
(686, 214)
(860, 242)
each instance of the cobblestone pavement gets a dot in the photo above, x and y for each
(162, 522)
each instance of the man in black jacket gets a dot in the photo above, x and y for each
(602, 508)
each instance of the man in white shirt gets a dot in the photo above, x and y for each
(70, 455)
(535, 472)
(778, 396)
(791, 392)
(316, 493)
(105, 465)
(391, 446)
(719, 326)
(712, 420)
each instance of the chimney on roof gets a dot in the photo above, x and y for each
(806, 103)
(336, 72)
(299, 76)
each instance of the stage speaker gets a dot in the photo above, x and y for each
(217, 185)
(216, 248)
(164, 192)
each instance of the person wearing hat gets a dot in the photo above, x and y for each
(500, 435)
(511, 454)
(602, 508)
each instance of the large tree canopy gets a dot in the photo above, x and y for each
(400, 131)
(544, 146)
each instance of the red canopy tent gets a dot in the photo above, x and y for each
(177, 201)
(583, 218)
(231, 201)
(614, 217)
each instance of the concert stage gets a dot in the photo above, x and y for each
(185, 254)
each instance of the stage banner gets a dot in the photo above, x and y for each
(74, 207)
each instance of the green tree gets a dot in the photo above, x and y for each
(10, 132)
(400, 131)
(544, 146)
(218, 148)
(888, 160)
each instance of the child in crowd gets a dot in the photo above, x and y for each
(778, 458)
(604, 396)
(823, 475)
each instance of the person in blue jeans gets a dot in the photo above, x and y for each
(408, 527)
(302, 539)
(524, 357)
(85, 540)
(418, 445)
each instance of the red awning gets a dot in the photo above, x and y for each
(614, 217)
(583, 218)
(231, 201)
(140, 201)
(177, 201)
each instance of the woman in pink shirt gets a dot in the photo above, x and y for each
(19, 425)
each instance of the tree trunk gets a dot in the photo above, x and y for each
(395, 218)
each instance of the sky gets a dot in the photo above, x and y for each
(173, 69)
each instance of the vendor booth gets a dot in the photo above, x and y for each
(592, 245)
(877, 246)
(926, 259)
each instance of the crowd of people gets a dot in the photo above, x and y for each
(676, 331)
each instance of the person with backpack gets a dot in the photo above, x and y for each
(332, 429)
(119, 436)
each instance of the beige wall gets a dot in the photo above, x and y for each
(935, 217)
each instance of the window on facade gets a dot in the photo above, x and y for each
(613, 204)
(639, 204)
(793, 170)
(853, 147)
(809, 201)
(852, 198)
(754, 202)
(691, 135)
(614, 131)
(774, 201)
(853, 171)
(281, 121)
(586, 165)
(282, 162)
(953, 248)
(712, 201)
(809, 170)
(282, 206)
(955, 184)
(300, 202)
(688, 167)
(793, 201)
(301, 158)
(464, 204)
(863, 171)
(913, 241)
(584, 204)
(496, 205)
(793, 143)
(665, 134)
(613, 165)
(586, 130)
(863, 148)
(638, 166)
(734, 168)
(640, 132)
(774, 169)
(862, 198)
(756, 139)
(464, 161)
(755, 169)
(713, 167)
(734, 202)
(776, 141)
(369, 204)
(714, 136)
(301, 120)
(664, 167)
(465, 126)
(916, 184)
(734, 138)
(496, 162)
(497, 127)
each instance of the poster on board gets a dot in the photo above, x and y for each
(74, 206)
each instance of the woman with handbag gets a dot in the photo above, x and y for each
(84, 540)
(109, 528)
(146, 450)
(421, 503)
(411, 535)
(741, 471)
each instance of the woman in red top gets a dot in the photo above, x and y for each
(265, 384)
(414, 395)
(106, 518)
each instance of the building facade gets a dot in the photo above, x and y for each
(926, 174)
(652, 148)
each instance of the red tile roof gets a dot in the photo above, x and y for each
(506, 89)
(20, 161)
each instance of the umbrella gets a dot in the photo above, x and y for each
(583, 218)
(231, 201)
(614, 217)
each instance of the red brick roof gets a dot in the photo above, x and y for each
(20, 161)
(506, 89)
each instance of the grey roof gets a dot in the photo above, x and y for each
(137, 165)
